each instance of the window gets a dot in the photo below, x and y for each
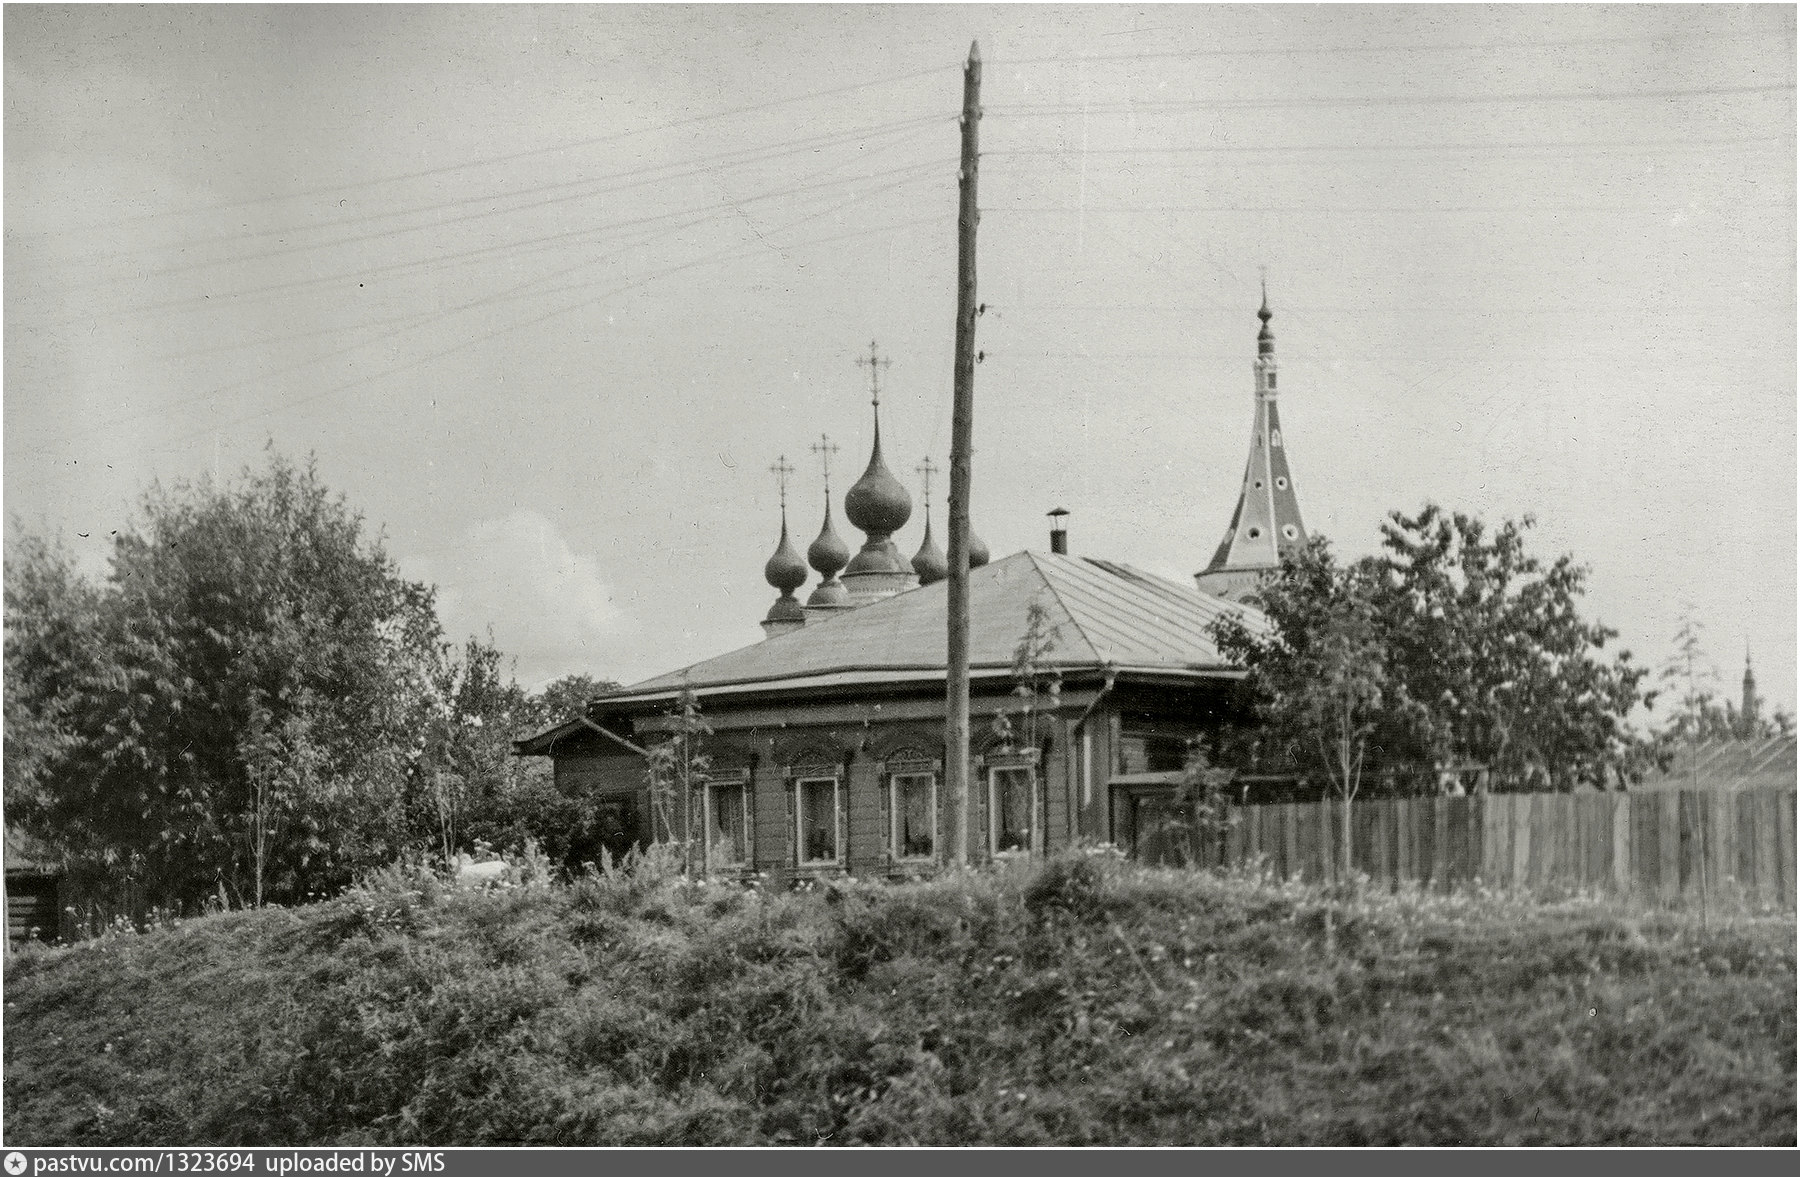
(816, 819)
(727, 826)
(912, 801)
(1012, 809)
(1271, 381)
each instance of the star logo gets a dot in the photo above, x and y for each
(15, 1163)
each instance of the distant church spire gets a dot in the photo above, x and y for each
(879, 506)
(785, 571)
(1266, 524)
(1747, 717)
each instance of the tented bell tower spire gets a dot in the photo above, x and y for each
(1266, 524)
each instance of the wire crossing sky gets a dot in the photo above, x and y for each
(547, 290)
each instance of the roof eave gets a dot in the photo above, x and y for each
(796, 686)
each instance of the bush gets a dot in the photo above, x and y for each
(1086, 1001)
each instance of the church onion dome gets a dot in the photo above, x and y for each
(829, 593)
(787, 607)
(878, 504)
(828, 554)
(978, 550)
(785, 570)
(929, 565)
(1265, 338)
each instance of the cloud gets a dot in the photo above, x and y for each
(547, 606)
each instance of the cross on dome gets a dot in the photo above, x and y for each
(825, 447)
(874, 363)
(781, 470)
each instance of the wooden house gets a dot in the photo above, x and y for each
(827, 744)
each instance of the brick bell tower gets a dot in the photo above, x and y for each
(1266, 525)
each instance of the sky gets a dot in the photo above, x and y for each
(547, 291)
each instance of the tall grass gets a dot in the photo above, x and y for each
(1083, 1001)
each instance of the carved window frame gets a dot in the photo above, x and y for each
(715, 783)
(1026, 762)
(800, 778)
(910, 765)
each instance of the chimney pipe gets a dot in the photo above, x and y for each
(1059, 535)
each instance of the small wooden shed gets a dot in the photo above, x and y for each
(34, 886)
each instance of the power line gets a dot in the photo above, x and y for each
(1374, 100)
(408, 322)
(511, 157)
(702, 166)
(707, 212)
(477, 251)
(722, 255)
(1287, 50)
(1594, 144)
(695, 167)
(1087, 209)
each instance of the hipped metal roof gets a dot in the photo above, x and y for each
(1106, 616)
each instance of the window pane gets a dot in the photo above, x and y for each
(914, 836)
(818, 821)
(1012, 809)
(729, 840)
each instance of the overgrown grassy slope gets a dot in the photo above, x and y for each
(1083, 1002)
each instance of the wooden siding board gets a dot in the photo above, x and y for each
(1651, 846)
(1462, 855)
(1519, 834)
(865, 852)
(1290, 841)
(1493, 840)
(1769, 871)
(1784, 846)
(1621, 846)
(1668, 845)
(1745, 805)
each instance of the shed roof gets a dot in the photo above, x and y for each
(1731, 764)
(26, 855)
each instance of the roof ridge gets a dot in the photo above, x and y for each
(1093, 650)
(813, 625)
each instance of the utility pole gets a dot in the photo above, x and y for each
(962, 427)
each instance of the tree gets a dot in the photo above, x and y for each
(52, 623)
(1037, 687)
(1451, 648)
(254, 683)
(676, 766)
(1490, 646)
(569, 696)
(1318, 668)
(1199, 813)
(1699, 716)
(467, 784)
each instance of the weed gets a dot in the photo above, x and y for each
(1084, 1001)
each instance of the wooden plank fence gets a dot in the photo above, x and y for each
(1660, 846)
